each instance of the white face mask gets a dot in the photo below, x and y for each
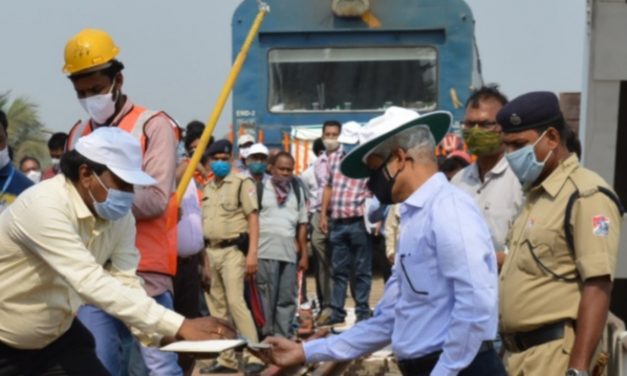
(99, 107)
(34, 176)
(244, 152)
(55, 161)
(4, 157)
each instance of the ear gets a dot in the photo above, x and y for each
(85, 176)
(119, 80)
(553, 138)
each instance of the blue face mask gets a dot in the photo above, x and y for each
(220, 168)
(115, 206)
(257, 168)
(525, 164)
(348, 147)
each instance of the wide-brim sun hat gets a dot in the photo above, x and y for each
(119, 151)
(394, 121)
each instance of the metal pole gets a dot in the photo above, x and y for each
(217, 110)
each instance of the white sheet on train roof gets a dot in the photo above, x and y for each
(210, 346)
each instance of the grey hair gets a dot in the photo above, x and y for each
(417, 141)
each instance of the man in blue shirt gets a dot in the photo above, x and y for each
(12, 182)
(439, 309)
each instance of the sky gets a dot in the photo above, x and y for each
(178, 54)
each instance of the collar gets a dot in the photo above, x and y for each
(499, 168)
(555, 181)
(227, 179)
(82, 211)
(427, 190)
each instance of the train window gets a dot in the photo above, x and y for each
(352, 79)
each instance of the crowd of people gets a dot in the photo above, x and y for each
(101, 264)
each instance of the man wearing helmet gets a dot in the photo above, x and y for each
(96, 75)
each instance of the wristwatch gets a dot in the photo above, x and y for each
(576, 372)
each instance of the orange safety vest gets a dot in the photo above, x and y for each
(152, 234)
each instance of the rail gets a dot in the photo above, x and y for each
(616, 346)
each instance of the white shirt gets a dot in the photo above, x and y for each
(499, 196)
(55, 255)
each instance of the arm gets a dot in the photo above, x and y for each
(596, 228)
(376, 211)
(159, 161)
(392, 223)
(51, 235)
(326, 201)
(253, 234)
(591, 318)
(303, 263)
(466, 258)
(363, 338)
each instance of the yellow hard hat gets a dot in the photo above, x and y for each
(90, 48)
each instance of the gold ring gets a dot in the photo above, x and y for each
(220, 331)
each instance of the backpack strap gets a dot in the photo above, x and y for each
(296, 186)
(260, 187)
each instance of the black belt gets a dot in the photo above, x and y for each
(519, 342)
(426, 364)
(221, 243)
(347, 221)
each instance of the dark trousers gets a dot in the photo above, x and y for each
(187, 287)
(187, 297)
(74, 353)
(351, 257)
(486, 363)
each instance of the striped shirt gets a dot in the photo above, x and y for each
(348, 195)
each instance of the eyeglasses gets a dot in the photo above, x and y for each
(480, 124)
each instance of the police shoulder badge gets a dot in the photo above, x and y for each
(515, 119)
(600, 225)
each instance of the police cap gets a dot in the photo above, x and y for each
(220, 146)
(530, 111)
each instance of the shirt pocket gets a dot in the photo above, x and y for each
(538, 256)
(230, 204)
(417, 275)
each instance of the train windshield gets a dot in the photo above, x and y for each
(352, 79)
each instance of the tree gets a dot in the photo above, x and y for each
(26, 132)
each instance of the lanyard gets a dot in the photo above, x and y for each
(9, 180)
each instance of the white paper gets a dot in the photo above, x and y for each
(210, 346)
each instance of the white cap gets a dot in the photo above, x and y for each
(244, 139)
(350, 133)
(119, 151)
(258, 148)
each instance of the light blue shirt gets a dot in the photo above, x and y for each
(443, 291)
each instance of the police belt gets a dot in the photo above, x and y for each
(426, 364)
(224, 243)
(522, 341)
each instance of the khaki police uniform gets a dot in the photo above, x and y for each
(533, 301)
(224, 212)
